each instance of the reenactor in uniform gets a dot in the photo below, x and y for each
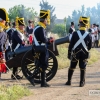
(95, 35)
(9, 32)
(29, 31)
(98, 35)
(78, 50)
(71, 30)
(91, 31)
(29, 28)
(18, 41)
(3, 39)
(41, 39)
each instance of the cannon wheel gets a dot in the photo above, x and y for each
(29, 65)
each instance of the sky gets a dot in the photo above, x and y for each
(63, 8)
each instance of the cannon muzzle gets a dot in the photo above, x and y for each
(62, 40)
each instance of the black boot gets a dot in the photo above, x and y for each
(43, 80)
(82, 78)
(31, 80)
(70, 73)
(15, 74)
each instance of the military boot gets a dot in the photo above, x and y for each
(70, 73)
(82, 78)
(43, 80)
(15, 74)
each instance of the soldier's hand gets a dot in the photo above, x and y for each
(51, 39)
(2, 60)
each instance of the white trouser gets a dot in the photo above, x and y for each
(93, 37)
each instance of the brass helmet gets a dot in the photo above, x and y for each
(3, 18)
(85, 21)
(19, 21)
(45, 14)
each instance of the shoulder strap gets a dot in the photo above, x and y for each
(35, 40)
(81, 40)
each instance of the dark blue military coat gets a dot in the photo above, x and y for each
(17, 39)
(79, 52)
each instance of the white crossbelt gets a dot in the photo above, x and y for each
(81, 40)
(35, 40)
(22, 38)
(8, 30)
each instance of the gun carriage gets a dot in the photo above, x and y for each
(27, 59)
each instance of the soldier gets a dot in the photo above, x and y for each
(78, 50)
(91, 31)
(3, 38)
(41, 39)
(18, 41)
(29, 28)
(9, 32)
(98, 35)
(95, 35)
(71, 30)
(29, 31)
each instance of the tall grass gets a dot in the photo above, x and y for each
(14, 92)
(94, 56)
(62, 58)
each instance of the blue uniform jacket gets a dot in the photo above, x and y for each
(80, 52)
(16, 38)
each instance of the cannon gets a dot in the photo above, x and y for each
(27, 59)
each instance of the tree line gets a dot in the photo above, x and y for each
(30, 13)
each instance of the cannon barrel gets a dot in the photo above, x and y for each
(19, 51)
(62, 40)
(24, 49)
(27, 48)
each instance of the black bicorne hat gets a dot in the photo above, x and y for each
(29, 21)
(43, 14)
(21, 21)
(72, 23)
(3, 14)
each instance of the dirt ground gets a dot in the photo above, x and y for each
(59, 91)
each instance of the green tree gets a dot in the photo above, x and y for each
(22, 11)
(46, 6)
(93, 13)
(59, 29)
